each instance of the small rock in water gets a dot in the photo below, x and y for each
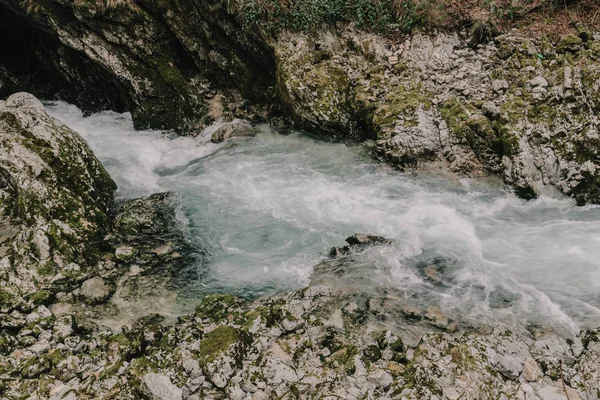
(159, 387)
(432, 273)
(230, 130)
(361, 239)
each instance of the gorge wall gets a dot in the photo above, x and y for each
(523, 108)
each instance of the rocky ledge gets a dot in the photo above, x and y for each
(316, 343)
(69, 252)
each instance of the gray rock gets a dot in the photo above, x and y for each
(159, 387)
(380, 378)
(538, 81)
(531, 371)
(499, 85)
(232, 129)
(491, 109)
(95, 290)
(63, 327)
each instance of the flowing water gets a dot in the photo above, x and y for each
(266, 209)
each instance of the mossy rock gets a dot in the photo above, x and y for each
(570, 43)
(218, 307)
(595, 48)
(41, 297)
(402, 101)
(218, 341)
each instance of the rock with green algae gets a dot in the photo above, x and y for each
(55, 193)
(377, 356)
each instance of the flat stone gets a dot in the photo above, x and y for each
(538, 81)
(499, 85)
(124, 253)
(159, 387)
(95, 290)
(531, 371)
(380, 378)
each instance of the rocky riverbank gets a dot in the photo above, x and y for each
(320, 342)
(471, 103)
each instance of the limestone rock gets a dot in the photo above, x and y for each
(159, 387)
(531, 371)
(95, 290)
(53, 191)
(232, 129)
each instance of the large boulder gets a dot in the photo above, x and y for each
(169, 63)
(55, 198)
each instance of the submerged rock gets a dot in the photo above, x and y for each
(358, 242)
(232, 129)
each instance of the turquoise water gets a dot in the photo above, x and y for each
(267, 208)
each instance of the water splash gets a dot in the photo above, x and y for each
(268, 208)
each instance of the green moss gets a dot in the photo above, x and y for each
(41, 297)
(569, 42)
(272, 313)
(402, 101)
(249, 321)
(4, 345)
(218, 307)
(217, 341)
(397, 346)
(372, 353)
(5, 298)
(461, 355)
(456, 115)
(595, 48)
(47, 268)
(513, 109)
(345, 358)
(141, 366)
(171, 74)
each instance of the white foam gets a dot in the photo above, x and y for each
(268, 208)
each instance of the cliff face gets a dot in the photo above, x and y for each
(526, 109)
(164, 61)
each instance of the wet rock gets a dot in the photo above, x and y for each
(359, 242)
(147, 233)
(159, 387)
(232, 129)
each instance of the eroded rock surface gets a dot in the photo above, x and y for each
(55, 200)
(316, 342)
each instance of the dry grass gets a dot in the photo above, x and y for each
(537, 17)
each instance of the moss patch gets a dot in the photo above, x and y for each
(217, 341)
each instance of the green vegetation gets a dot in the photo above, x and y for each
(41, 297)
(272, 16)
(217, 341)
